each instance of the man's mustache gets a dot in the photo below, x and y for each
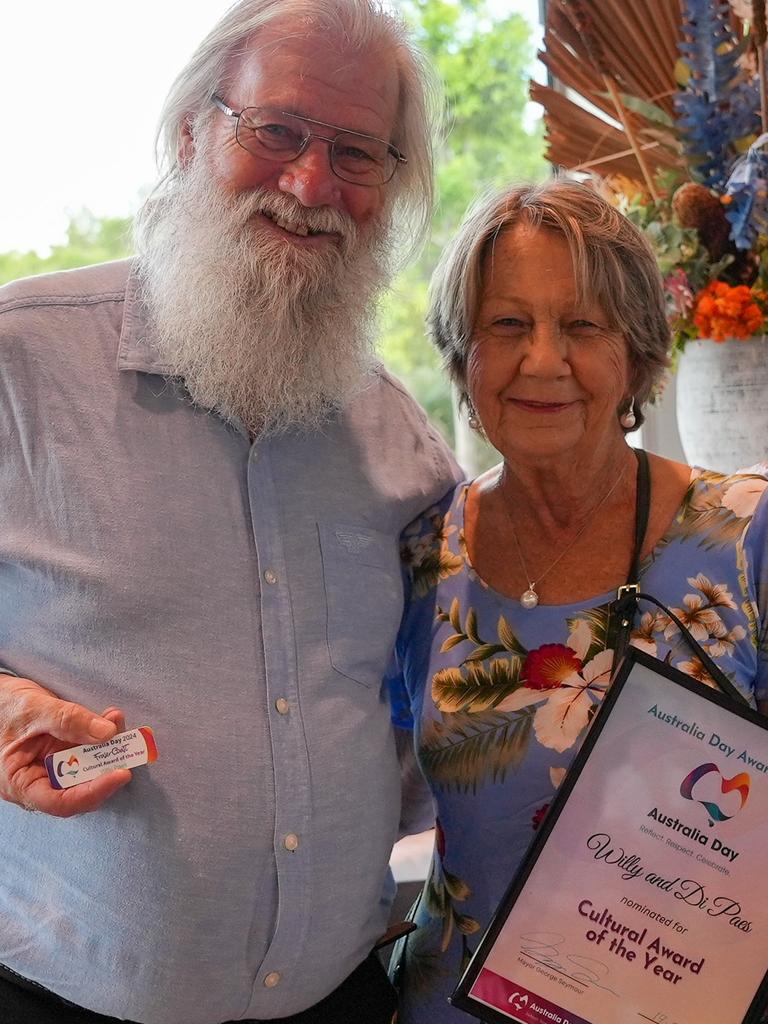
(286, 207)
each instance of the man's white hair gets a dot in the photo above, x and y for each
(361, 25)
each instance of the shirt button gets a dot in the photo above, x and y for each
(282, 705)
(270, 577)
(272, 979)
(291, 842)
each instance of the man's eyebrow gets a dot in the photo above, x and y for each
(327, 124)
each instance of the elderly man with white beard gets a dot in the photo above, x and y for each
(204, 475)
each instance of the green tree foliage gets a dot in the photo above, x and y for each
(90, 239)
(484, 62)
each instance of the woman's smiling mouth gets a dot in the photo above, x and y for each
(531, 405)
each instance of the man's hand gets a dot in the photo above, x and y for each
(33, 724)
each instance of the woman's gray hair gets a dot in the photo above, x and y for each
(363, 25)
(613, 264)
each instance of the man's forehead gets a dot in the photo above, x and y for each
(298, 66)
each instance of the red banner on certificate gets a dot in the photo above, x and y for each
(643, 899)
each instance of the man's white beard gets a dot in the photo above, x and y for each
(268, 333)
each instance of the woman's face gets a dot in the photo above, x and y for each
(546, 373)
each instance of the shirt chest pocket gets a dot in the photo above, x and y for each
(364, 599)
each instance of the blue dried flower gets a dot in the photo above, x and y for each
(718, 106)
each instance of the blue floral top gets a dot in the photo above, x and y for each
(499, 697)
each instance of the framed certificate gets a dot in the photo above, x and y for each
(644, 896)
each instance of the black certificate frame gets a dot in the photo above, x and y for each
(461, 998)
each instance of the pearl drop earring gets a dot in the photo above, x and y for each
(628, 419)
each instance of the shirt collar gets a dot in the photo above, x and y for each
(136, 349)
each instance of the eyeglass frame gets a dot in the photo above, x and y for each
(219, 103)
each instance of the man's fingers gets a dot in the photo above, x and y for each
(64, 803)
(115, 715)
(72, 723)
(27, 710)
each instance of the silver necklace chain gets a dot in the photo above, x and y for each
(529, 598)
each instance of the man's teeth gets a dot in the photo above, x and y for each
(289, 225)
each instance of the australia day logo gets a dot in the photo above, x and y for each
(518, 1001)
(68, 767)
(739, 784)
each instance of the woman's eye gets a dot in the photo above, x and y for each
(584, 325)
(508, 321)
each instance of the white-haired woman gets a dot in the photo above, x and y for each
(549, 312)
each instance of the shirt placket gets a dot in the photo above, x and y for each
(291, 840)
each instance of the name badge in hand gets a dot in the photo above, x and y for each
(76, 765)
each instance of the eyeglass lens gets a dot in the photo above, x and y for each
(276, 136)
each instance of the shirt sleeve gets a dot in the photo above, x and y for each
(399, 700)
(759, 552)
(405, 676)
(417, 812)
(417, 809)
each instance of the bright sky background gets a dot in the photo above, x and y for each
(81, 85)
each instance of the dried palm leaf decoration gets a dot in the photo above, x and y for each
(652, 86)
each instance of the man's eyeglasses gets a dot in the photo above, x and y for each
(276, 135)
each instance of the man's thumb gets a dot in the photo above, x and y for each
(74, 723)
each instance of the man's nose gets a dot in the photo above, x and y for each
(309, 177)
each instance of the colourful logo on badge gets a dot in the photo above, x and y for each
(73, 764)
(740, 783)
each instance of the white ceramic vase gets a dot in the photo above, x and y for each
(722, 403)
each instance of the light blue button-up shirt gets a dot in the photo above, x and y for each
(242, 599)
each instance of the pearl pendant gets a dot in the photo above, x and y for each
(530, 598)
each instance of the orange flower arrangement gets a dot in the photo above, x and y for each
(728, 311)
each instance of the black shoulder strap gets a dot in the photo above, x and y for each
(626, 599)
(642, 508)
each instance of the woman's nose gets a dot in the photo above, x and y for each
(546, 353)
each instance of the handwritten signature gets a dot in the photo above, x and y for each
(544, 947)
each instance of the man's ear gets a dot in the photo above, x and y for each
(186, 143)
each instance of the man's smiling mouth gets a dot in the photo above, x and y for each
(292, 226)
